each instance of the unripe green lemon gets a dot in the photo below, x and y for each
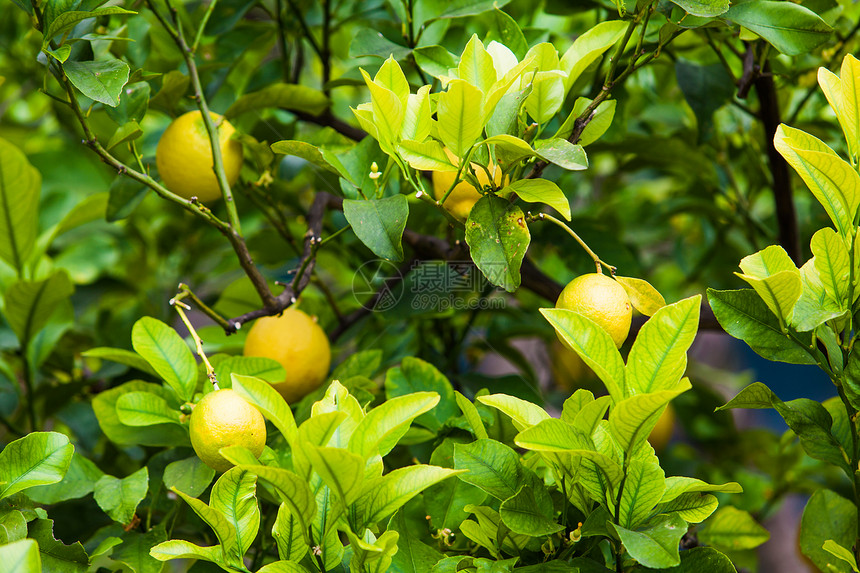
(223, 418)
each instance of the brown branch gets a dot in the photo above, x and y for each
(786, 215)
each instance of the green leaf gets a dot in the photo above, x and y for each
(306, 151)
(266, 369)
(434, 60)
(790, 28)
(65, 21)
(414, 375)
(692, 507)
(104, 406)
(234, 495)
(470, 412)
(807, 418)
(551, 435)
(179, 549)
(703, 8)
(658, 358)
(293, 491)
(29, 304)
(119, 498)
(459, 115)
(832, 263)
(594, 346)
(285, 96)
(701, 559)
(224, 530)
(369, 42)
(190, 476)
(382, 427)
(733, 529)
(643, 488)
(509, 34)
(678, 485)
(548, 84)
(413, 555)
(775, 279)
(379, 224)
(269, 401)
(491, 466)
(20, 185)
(125, 133)
(80, 479)
(840, 553)
(657, 546)
(744, 315)
(510, 149)
(601, 120)
(844, 97)
(524, 515)
(135, 550)
(101, 81)
(340, 470)
(289, 535)
(427, 156)
(644, 297)
(282, 567)
(56, 555)
(21, 556)
(588, 47)
(144, 409)
(381, 497)
(540, 191)
(463, 8)
(167, 353)
(523, 413)
(387, 112)
(38, 458)
(498, 237)
(827, 516)
(563, 153)
(13, 527)
(832, 180)
(476, 65)
(632, 419)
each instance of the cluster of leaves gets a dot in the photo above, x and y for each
(807, 315)
(495, 105)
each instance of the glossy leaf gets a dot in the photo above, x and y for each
(523, 514)
(289, 535)
(30, 304)
(459, 116)
(658, 358)
(379, 224)
(269, 401)
(180, 549)
(56, 555)
(381, 497)
(303, 150)
(383, 426)
(491, 466)
(472, 417)
(144, 409)
(415, 375)
(101, 81)
(657, 546)
(38, 458)
(563, 153)
(234, 496)
(224, 530)
(541, 191)
(340, 470)
(588, 47)
(190, 476)
(20, 185)
(632, 419)
(733, 529)
(285, 96)
(21, 556)
(427, 156)
(791, 28)
(498, 238)
(643, 487)
(827, 516)
(167, 353)
(644, 297)
(743, 315)
(413, 555)
(833, 182)
(523, 413)
(119, 498)
(594, 346)
(844, 97)
(775, 279)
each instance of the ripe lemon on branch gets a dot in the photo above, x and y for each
(297, 342)
(223, 418)
(601, 299)
(464, 196)
(184, 156)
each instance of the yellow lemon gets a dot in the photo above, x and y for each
(184, 156)
(464, 196)
(298, 343)
(601, 299)
(662, 432)
(223, 418)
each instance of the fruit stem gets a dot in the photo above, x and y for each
(597, 261)
(181, 307)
